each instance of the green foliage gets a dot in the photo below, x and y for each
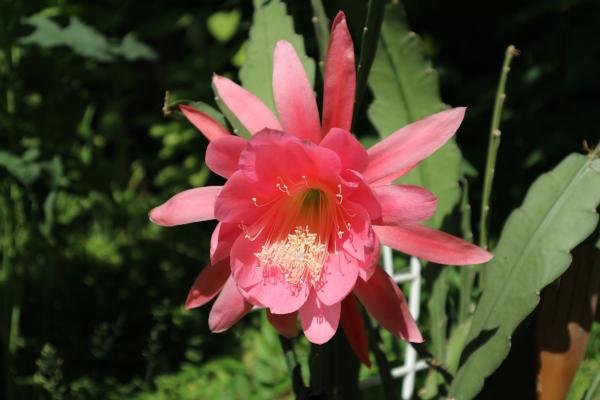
(271, 23)
(405, 89)
(84, 40)
(557, 214)
(224, 24)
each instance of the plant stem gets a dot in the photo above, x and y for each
(493, 144)
(368, 46)
(375, 343)
(468, 272)
(432, 361)
(321, 25)
(294, 368)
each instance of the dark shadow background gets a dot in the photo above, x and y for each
(99, 290)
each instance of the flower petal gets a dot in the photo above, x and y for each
(185, 207)
(286, 324)
(223, 154)
(319, 321)
(272, 155)
(208, 126)
(234, 203)
(247, 108)
(338, 279)
(294, 96)
(352, 154)
(340, 78)
(401, 203)
(222, 239)
(431, 244)
(229, 308)
(400, 151)
(354, 329)
(208, 283)
(384, 300)
(372, 256)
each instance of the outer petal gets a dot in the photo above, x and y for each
(229, 308)
(339, 277)
(431, 244)
(352, 154)
(340, 78)
(248, 108)
(286, 324)
(260, 287)
(294, 96)
(208, 126)
(319, 321)
(354, 328)
(401, 203)
(189, 206)
(222, 239)
(209, 282)
(383, 299)
(400, 151)
(223, 154)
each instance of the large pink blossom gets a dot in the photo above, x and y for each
(306, 208)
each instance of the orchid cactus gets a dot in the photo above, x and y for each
(306, 207)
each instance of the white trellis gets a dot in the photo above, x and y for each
(411, 365)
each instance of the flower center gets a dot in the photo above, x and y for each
(298, 244)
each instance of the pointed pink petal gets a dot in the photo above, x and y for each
(286, 324)
(397, 153)
(383, 299)
(319, 321)
(268, 291)
(222, 239)
(338, 279)
(352, 154)
(430, 244)
(354, 329)
(294, 97)
(185, 207)
(401, 203)
(340, 78)
(229, 308)
(209, 282)
(208, 126)
(223, 154)
(247, 108)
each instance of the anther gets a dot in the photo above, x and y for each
(339, 194)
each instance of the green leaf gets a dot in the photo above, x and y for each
(558, 213)
(84, 40)
(223, 24)
(271, 23)
(405, 89)
(132, 49)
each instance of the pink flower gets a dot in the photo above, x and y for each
(305, 207)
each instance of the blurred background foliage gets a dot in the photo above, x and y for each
(85, 152)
